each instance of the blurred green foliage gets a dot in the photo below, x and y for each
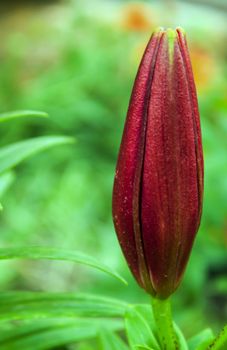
(77, 62)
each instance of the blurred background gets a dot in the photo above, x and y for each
(77, 60)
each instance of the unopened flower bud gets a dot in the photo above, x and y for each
(158, 187)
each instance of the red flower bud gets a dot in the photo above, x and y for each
(158, 187)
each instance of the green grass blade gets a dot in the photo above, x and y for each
(6, 179)
(140, 327)
(181, 339)
(21, 114)
(110, 341)
(201, 340)
(37, 253)
(15, 153)
(32, 305)
(54, 333)
(26, 328)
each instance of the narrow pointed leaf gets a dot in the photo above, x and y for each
(15, 153)
(111, 341)
(28, 328)
(52, 333)
(30, 305)
(140, 327)
(181, 339)
(38, 253)
(21, 114)
(6, 180)
(201, 340)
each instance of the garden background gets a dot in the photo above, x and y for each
(76, 60)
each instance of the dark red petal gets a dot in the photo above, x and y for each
(125, 193)
(170, 193)
(188, 241)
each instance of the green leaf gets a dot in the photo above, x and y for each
(21, 114)
(6, 180)
(180, 337)
(46, 334)
(37, 253)
(111, 341)
(31, 305)
(220, 342)
(21, 330)
(15, 153)
(140, 327)
(201, 340)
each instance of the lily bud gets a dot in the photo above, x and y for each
(158, 187)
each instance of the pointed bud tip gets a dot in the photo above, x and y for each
(159, 30)
(181, 30)
(172, 33)
(171, 36)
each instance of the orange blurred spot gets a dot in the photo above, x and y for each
(135, 17)
(204, 67)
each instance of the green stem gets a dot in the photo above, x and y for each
(164, 323)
